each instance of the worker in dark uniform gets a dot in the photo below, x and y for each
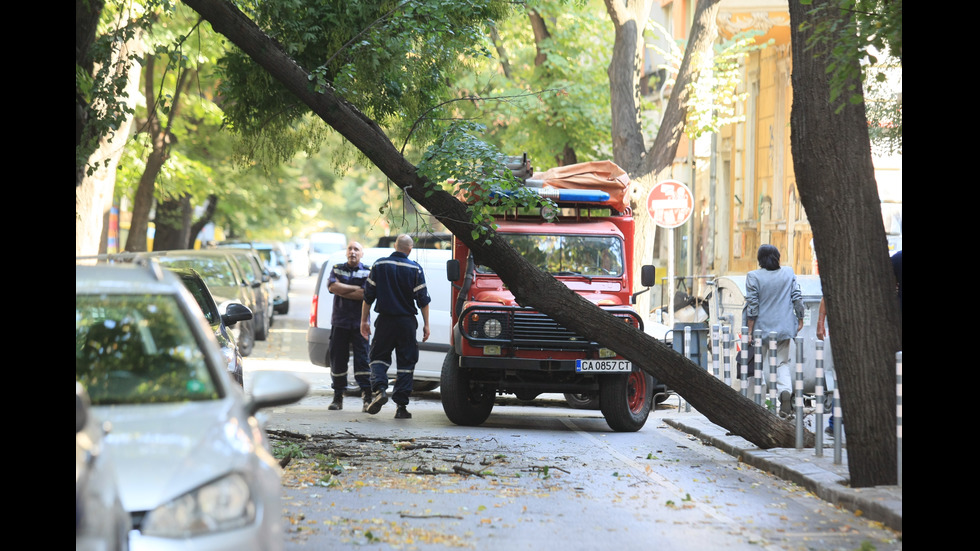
(346, 283)
(395, 286)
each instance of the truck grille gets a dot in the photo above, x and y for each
(533, 329)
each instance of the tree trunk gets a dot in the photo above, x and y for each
(836, 181)
(531, 287)
(704, 33)
(204, 220)
(160, 141)
(646, 168)
(87, 15)
(93, 193)
(625, 71)
(172, 223)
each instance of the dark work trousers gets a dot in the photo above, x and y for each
(342, 343)
(394, 333)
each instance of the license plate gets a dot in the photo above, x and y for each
(603, 366)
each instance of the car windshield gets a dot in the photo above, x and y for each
(266, 256)
(568, 254)
(137, 349)
(248, 268)
(216, 271)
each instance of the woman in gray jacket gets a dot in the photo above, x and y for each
(774, 304)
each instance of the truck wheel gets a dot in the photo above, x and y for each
(625, 400)
(463, 405)
(582, 401)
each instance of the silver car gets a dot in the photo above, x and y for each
(193, 463)
(220, 323)
(101, 523)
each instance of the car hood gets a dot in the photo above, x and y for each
(162, 451)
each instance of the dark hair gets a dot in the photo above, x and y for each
(768, 257)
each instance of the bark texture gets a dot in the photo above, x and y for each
(836, 182)
(93, 192)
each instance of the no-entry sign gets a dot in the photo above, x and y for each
(670, 204)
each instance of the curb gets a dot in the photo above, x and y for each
(819, 475)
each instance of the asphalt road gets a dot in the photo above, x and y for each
(533, 476)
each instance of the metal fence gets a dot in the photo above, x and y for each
(765, 394)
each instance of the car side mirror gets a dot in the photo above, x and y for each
(236, 312)
(452, 269)
(648, 275)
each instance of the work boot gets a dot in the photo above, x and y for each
(785, 404)
(402, 413)
(367, 403)
(380, 399)
(338, 401)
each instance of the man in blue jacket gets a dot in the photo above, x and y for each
(346, 283)
(396, 286)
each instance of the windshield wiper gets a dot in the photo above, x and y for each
(571, 273)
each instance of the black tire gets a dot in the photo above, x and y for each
(625, 400)
(282, 308)
(246, 339)
(463, 405)
(582, 401)
(262, 330)
(424, 386)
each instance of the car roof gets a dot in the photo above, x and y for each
(126, 278)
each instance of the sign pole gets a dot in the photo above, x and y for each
(671, 286)
(670, 204)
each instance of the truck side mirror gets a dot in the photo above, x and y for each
(648, 275)
(452, 269)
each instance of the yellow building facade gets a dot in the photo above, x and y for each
(742, 177)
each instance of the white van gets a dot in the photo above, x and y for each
(428, 370)
(322, 245)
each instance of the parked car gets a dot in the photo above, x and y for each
(220, 324)
(275, 262)
(226, 282)
(258, 279)
(299, 257)
(432, 353)
(322, 245)
(101, 523)
(194, 464)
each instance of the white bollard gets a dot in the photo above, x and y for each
(743, 373)
(772, 371)
(715, 351)
(757, 367)
(818, 391)
(838, 425)
(798, 392)
(726, 340)
(898, 411)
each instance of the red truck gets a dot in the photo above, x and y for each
(500, 347)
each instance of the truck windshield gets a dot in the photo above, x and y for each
(584, 255)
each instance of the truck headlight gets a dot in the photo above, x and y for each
(492, 328)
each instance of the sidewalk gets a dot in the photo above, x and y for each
(819, 475)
